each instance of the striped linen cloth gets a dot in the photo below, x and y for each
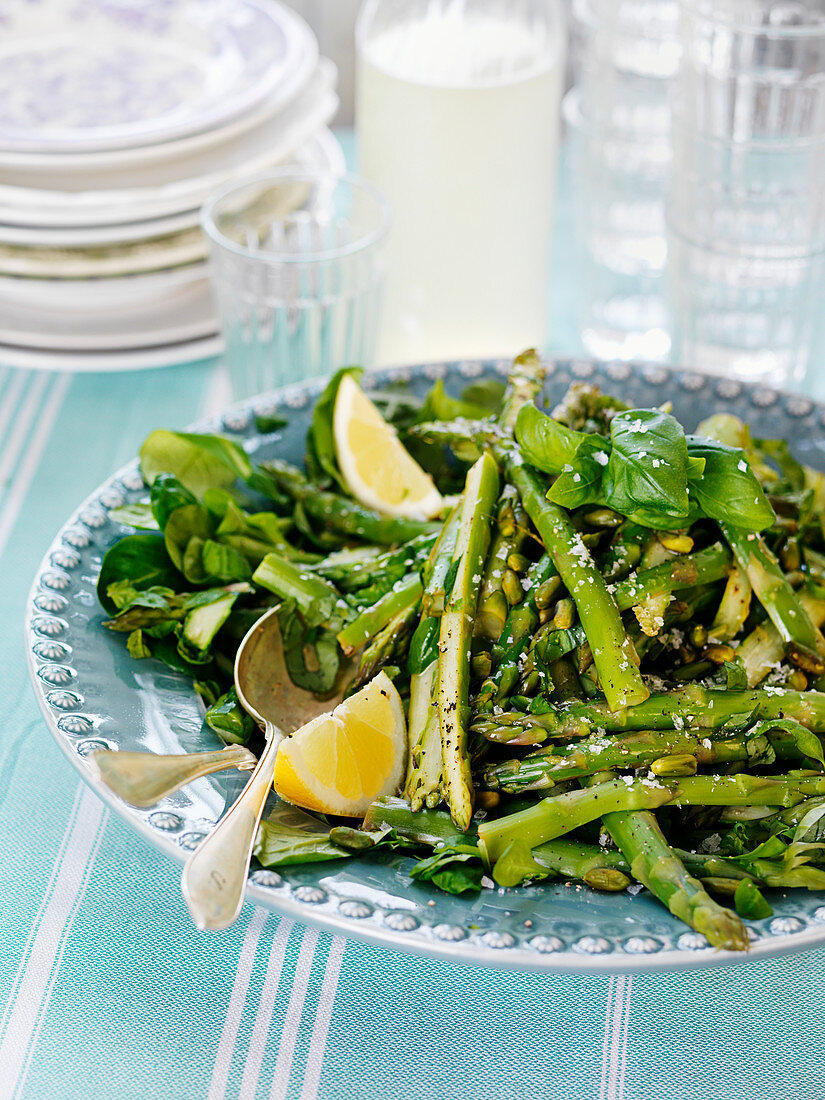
(107, 991)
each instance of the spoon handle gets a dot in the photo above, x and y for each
(214, 877)
(143, 778)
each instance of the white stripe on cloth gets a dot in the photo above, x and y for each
(266, 1007)
(614, 1048)
(234, 1011)
(320, 1032)
(16, 439)
(61, 851)
(55, 921)
(623, 1060)
(294, 1012)
(8, 400)
(34, 451)
(608, 1016)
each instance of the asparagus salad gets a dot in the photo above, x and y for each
(577, 643)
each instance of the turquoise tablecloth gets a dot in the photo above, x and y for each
(108, 993)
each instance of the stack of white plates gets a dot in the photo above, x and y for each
(120, 117)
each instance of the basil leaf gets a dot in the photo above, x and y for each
(229, 720)
(199, 462)
(581, 482)
(135, 515)
(736, 675)
(166, 495)
(646, 475)
(278, 845)
(185, 533)
(224, 563)
(805, 740)
(143, 561)
(549, 445)
(311, 653)
(728, 490)
(321, 463)
(456, 869)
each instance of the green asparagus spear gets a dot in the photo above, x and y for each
(341, 514)
(455, 634)
(508, 536)
(522, 620)
(523, 386)
(388, 646)
(771, 586)
(429, 827)
(424, 769)
(615, 659)
(296, 582)
(691, 707)
(424, 773)
(764, 648)
(403, 596)
(545, 768)
(558, 815)
(654, 863)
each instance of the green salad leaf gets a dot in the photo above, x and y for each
(199, 462)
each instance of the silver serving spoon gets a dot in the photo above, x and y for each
(144, 778)
(214, 877)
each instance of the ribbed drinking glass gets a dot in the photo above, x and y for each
(297, 268)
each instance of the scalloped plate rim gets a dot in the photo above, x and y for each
(467, 951)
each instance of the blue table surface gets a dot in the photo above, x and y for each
(108, 992)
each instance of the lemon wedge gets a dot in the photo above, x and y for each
(378, 470)
(341, 762)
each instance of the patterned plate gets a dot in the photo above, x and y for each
(112, 75)
(93, 696)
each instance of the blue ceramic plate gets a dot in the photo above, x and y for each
(94, 695)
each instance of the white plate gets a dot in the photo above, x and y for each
(91, 235)
(189, 314)
(93, 295)
(105, 261)
(321, 150)
(164, 190)
(17, 166)
(86, 362)
(102, 75)
(126, 323)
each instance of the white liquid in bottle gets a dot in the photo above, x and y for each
(457, 117)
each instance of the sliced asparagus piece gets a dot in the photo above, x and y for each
(771, 586)
(455, 635)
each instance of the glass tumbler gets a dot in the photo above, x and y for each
(617, 123)
(746, 217)
(297, 266)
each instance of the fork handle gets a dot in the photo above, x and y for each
(144, 778)
(214, 877)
